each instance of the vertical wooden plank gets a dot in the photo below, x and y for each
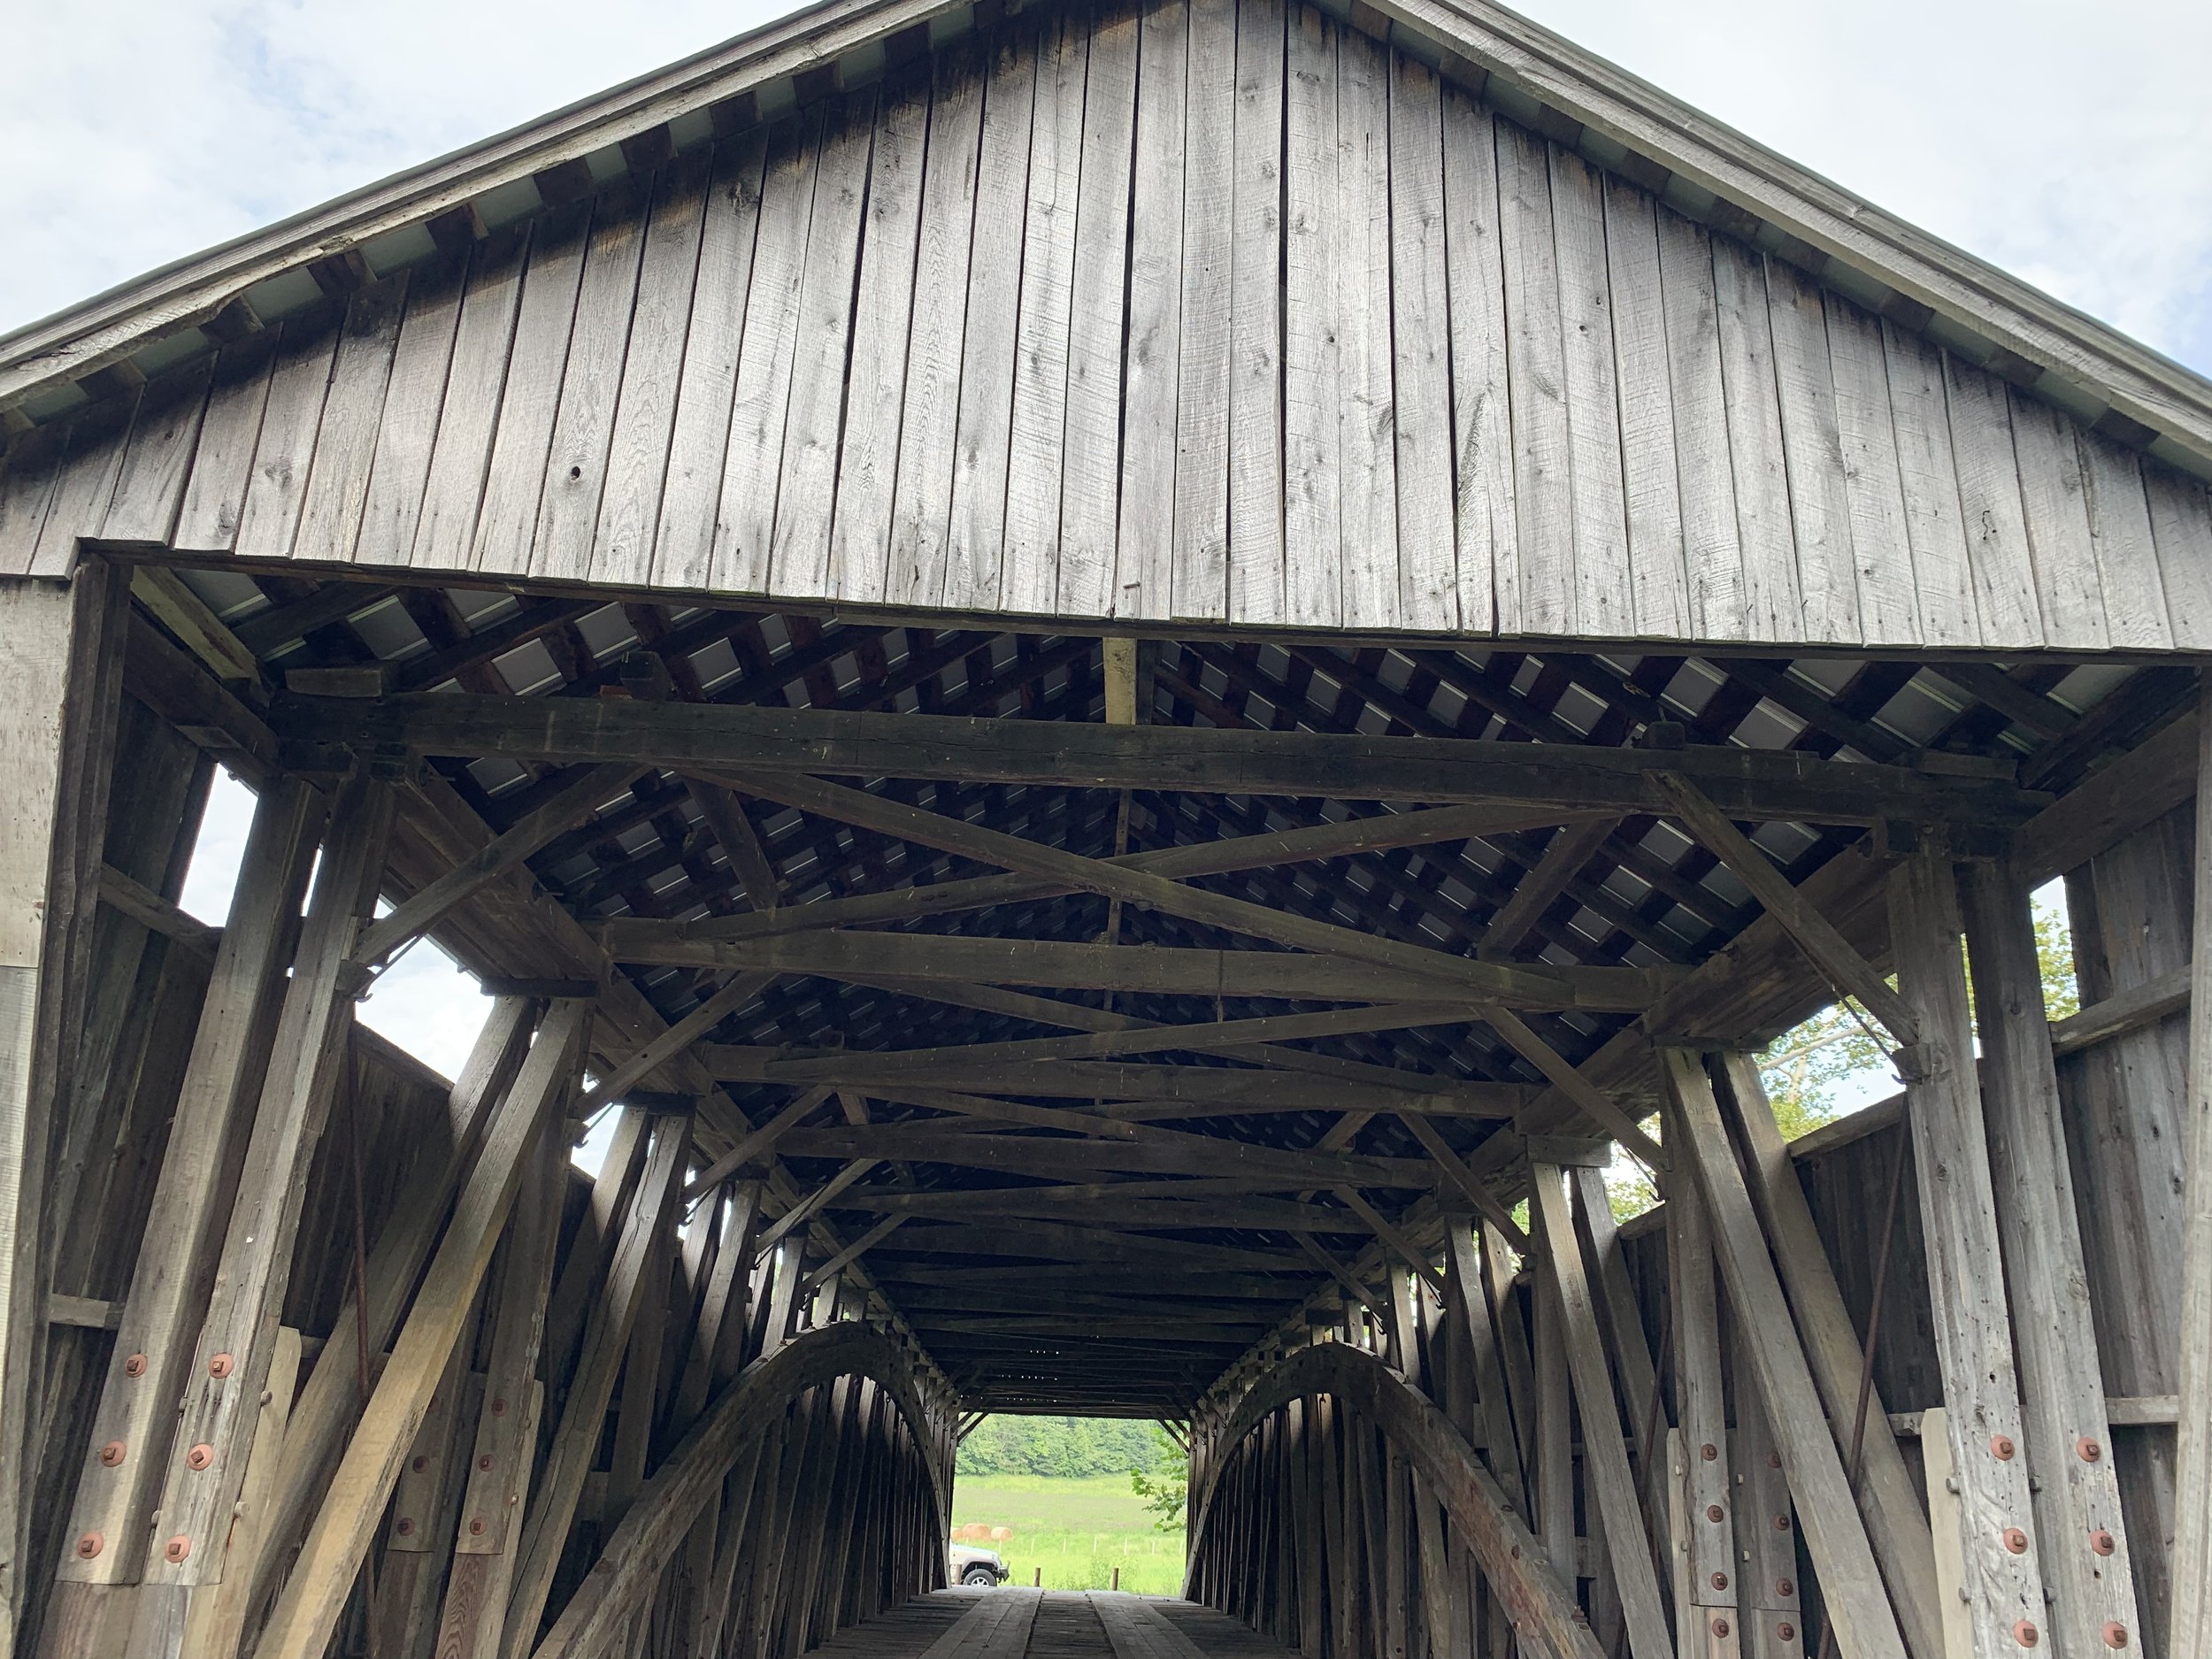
(1705, 1538)
(1255, 582)
(1312, 496)
(218, 1618)
(1030, 560)
(883, 314)
(1704, 467)
(277, 487)
(807, 490)
(1536, 593)
(751, 464)
(691, 495)
(2190, 1558)
(976, 550)
(1774, 1619)
(922, 502)
(1217, 239)
(1973, 1326)
(1552, 1466)
(1998, 557)
(1144, 541)
(1367, 466)
(150, 489)
(1764, 534)
(1421, 341)
(653, 363)
(1942, 569)
(26, 487)
(337, 486)
(2181, 527)
(530, 400)
(407, 426)
(1091, 462)
(1873, 486)
(222, 459)
(2076, 1492)
(97, 439)
(1650, 470)
(2056, 510)
(1812, 449)
(2127, 554)
(1483, 511)
(1604, 604)
(468, 417)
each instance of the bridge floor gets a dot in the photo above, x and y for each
(1021, 1623)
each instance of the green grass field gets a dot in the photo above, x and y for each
(1078, 1531)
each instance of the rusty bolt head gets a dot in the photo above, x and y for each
(113, 1453)
(476, 1528)
(420, 1465)
(2115, 1635)
(135, 1366)
(405, 1526)
(2015, 1540)
(1720, 1627)
(2101, 1542)
(2026, 1633)
(1786, 1630)
(2001, 1449)
(1781, 1523)
(1783, 1586)
(221, 1366)
(1713, 1512)
(90, 1545)
(1774, 1460)
(1709, 1451)
(177, 1548)
(499, 1406)
(1720, 1581)
(200, 1456)
(2087, 1449)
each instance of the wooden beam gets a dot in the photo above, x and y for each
(166, 597)
(2190, 1563)
(1470, 1187)
(420, 912)
(813, 1201)
(1592, 1101)
(1394, 1237)
(758, 1144)
(322, 1577)
(2131, 1009)
(1846, 970)
(667, 1044)
(1859, 1606)
(1157, 1152)
(1571, 848)
(692, 737)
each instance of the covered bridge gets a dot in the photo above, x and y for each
(1134, 681)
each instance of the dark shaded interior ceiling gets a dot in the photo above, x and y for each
(1133, 1329)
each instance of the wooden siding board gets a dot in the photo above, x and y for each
(1812, 453)
(1604, 605)
(26, 487)
(1649, 473)
(752, 464)
(1255, 438)
(407, 431)
(1874, 490)
(1030, 562)
(1483, 511)
(623, 531)
(149, 492)
(883, 311)
(1144, 545)
(1753, 408)
(683, 540)
(530, 401)
(97, 439)
(1420, 328)
(2056, 512)
(2127, 553)
(1366, 409)
(468, 417)
(1998, 558)
(222, 459)
(1198, 578)
(806, 491)
(1310, 389)
(1536, 591)
(353, 417)
(1090, 464)
(276, 489)
(1943, 575)
(2181, 525)
(1712, 544)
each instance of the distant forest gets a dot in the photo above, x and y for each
(1064, 1446)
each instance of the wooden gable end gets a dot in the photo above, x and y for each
(1209, 312)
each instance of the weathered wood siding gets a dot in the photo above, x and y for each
(1215, 312)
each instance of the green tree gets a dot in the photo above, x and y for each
(1166, 1487)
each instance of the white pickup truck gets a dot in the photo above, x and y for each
(964, 1563)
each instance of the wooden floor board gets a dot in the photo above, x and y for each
(1015, 1622)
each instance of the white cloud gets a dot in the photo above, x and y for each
(2073, 147)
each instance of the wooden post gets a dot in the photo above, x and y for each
(1705, 1535)
(2191, 1567)
(1773, 1616)
(1966, 1281)
(60, 675)
(2082, 1534)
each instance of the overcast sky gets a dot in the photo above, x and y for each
(2072, 145)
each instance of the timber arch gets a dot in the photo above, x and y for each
(1123, 692)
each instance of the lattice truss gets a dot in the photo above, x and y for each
(1037, 1277)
